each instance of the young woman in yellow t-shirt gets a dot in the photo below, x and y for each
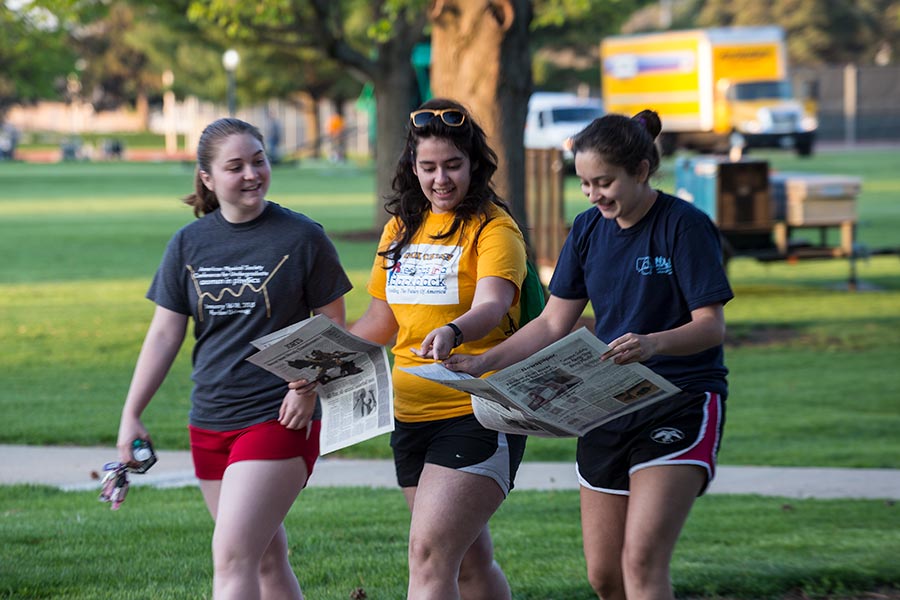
(447, 275)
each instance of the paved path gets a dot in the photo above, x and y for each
(71, 468)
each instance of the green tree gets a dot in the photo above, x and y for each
(565, 39)
(34, 56)
(482, 53)
(818, 31)
(371, 40)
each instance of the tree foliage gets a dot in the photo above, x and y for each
(373, 41)
(818, 31)
(34, 56)
(114, 68)
(565, 39)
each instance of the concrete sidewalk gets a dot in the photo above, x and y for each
(76, 468)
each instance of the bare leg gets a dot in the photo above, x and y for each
(480, 577)
(249, 541)
(661, 499)
(450, 549)
(603, 530)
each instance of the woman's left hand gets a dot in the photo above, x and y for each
(299, 404)
(437, 345)
(630, 348)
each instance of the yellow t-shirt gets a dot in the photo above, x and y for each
(432, 284)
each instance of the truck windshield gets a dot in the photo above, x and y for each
(576, 114)
(759, 90)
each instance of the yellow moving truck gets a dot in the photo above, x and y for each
(713, 88)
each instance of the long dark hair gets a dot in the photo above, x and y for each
(622, 141)
(204, 200)
(409, 204)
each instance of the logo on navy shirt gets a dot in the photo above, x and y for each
(648, 265)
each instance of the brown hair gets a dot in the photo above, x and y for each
(409, 203)
(204, 200)
(622, 141)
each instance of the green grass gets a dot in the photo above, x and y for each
(813, 381)
(68, 546)
(52, 139)
(81, 242)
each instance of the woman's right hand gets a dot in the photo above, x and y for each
(473, 364)
(130, 429)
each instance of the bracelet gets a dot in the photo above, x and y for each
(457, 334)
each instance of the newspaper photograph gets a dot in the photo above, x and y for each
(563, 390)
(354, 376)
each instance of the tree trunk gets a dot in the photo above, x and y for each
(395, 93)
(310, 145)
(480, 57)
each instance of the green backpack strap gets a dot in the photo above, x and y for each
(532, 298)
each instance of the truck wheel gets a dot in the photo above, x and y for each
(804, 147)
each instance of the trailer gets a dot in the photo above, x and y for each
(763, 215)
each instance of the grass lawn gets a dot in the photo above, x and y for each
(811, 364)
(814, 382)
(157, 545)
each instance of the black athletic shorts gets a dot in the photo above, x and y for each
(459, 443)
(687, 434)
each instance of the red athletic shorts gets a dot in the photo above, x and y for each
(213, 451)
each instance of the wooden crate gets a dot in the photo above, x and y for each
(743, 195)
(820, 199)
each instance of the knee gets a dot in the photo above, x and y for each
(642, 566)
(477, 561)
(606, 582)
(273, 561)
(230, 560)
(422, 550)
(231, 557)
(429, 560)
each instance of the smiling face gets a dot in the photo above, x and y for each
(444, 172)
(616, 194)
(239, 175)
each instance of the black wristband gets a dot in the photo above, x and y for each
(457, 333)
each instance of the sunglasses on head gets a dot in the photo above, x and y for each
(451, 117)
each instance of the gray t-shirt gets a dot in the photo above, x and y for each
(241, 281)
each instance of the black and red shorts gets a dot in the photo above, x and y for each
(689, 434)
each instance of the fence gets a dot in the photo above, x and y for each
(298, 129)
(855, 103)
(545, 206)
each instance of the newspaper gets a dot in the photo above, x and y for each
(354, 376)
(563, 390)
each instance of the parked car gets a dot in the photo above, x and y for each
(555, 117)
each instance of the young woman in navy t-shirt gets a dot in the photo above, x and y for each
(651, 266)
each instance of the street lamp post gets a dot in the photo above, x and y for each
(168, 78)
(230, 60)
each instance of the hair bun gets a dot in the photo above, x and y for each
(650, 121)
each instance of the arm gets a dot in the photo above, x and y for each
(299, 403)
(555, 322)
(492, 300)
(378, 324)
(705, 330)
(336, 311)
(161, 344)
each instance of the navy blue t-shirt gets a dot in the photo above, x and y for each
(649, 278)
(239, 282)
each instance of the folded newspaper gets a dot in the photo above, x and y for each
(354, 376)
(563, 390)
